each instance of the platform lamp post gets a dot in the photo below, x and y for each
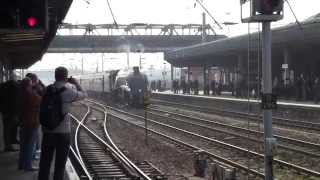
(164, 74)
(102, 62)
(140, 50)
(140, 60)
(127, 48)
(82, 65)
(146, 103)
(146, 123)
(265, 11)
(1, 71)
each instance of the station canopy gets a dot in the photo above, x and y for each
(298, 37)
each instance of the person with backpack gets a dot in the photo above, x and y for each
(29, 117)
(55, 121)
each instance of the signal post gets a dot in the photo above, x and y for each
(265, 11)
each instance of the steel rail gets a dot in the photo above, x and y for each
(102, 142)
(234, 134)
(252, 131)
(83, 167)
(140, 172)
(220, 158)
(77, 133)
(279, 137)
(261, 156)
(253, 117)
(113, 147)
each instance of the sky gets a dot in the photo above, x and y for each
(158, 11)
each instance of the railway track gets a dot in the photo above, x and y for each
(236, 156)
(99, 156)
(301, 125)
(288, 144)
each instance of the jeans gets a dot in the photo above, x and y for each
(27, 145)
(58, 143)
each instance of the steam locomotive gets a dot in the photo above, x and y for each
(121, 86)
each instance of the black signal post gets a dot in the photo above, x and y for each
(265, 11)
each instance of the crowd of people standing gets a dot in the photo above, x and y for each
(303, 88)
(20, 104)
(193, 87)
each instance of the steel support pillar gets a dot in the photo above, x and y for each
(205, 79)
(6, 73)
(172, 72)
(188, 74)
(240, 68)
(267, 89)
(1, 121)
(286, 70)
(128, 59)
(286, 56)
(11, 74)
(204, 33)
(1, 72)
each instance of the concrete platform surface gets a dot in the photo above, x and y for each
(228, 96)
(9, 168)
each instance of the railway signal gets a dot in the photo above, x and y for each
(268, 7)
(261, 10)
(19, 14)
(265, 11)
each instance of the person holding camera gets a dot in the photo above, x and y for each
(57, 139)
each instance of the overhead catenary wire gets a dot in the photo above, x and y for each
(208, 12)
(111, 12)
(294, 14)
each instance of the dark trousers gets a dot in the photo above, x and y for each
(27, 146)
(58, 143)
(9, 130)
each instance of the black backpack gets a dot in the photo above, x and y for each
(51, 113)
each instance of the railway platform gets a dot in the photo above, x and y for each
(227, 96)
(9, 165)
(9, 168)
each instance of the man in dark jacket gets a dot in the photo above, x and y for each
(29, 117)
(9, 109)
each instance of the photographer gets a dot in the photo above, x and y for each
(58, 139)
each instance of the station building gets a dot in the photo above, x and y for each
(294, 52)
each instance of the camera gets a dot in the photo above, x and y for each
(71, 80)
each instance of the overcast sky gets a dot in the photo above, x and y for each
(158, 11)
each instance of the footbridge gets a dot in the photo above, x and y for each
(137, 37)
